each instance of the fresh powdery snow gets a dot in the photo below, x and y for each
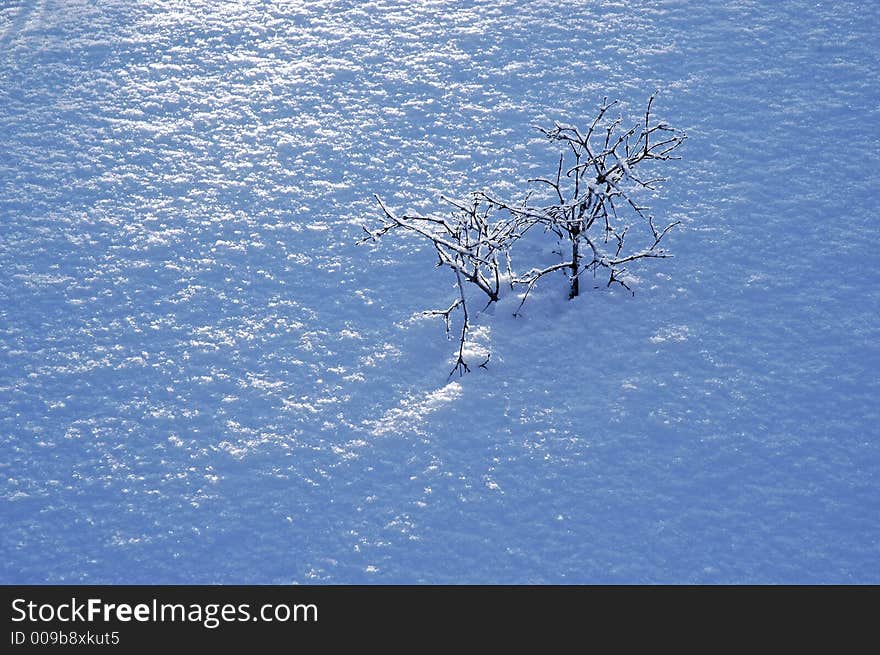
(205, 379)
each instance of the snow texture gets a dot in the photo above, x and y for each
(203, 379)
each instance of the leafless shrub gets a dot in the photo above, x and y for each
(593, 196)
(589, 203)
(470, 243)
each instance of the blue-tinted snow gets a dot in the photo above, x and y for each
(203, 379)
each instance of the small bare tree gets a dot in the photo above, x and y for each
(595, 179)
(470, 243)
(587, 204)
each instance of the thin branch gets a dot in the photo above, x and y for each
(445, 313)
(532, 278)
(460, 365)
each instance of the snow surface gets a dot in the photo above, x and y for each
(203, 379)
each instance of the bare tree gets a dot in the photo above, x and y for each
(589, 202)
(470, 243)
(595, 180)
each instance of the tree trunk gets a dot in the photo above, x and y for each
(575, 262)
